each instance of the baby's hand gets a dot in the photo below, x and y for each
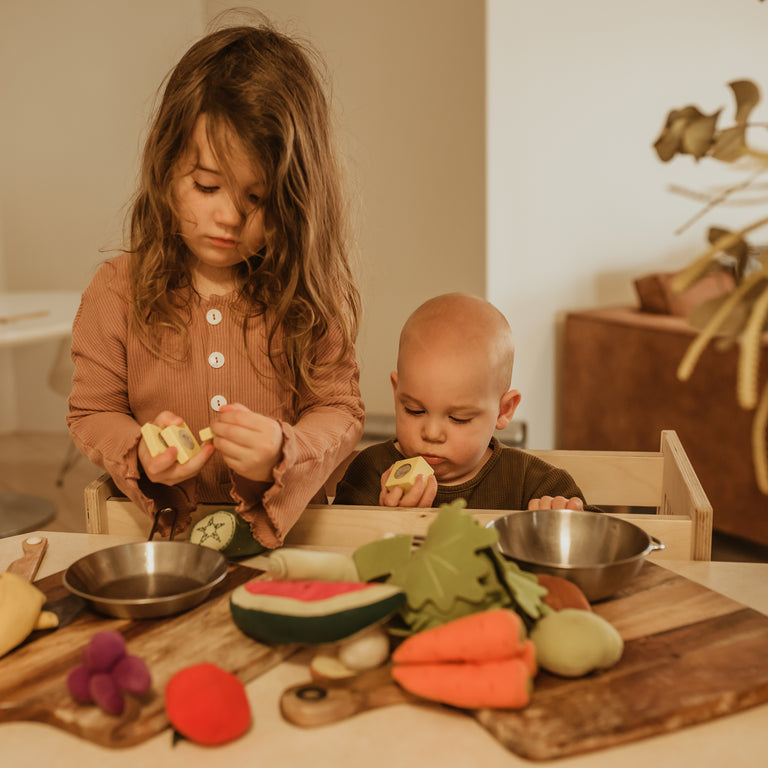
(251, 444)
(164, 468)
(556, 502)
(422, 494)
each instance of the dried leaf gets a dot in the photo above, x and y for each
(730, 144)
(670, 140)
(699, 135)
(747, 96)
(728, 242)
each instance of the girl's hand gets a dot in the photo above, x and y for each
(251, 444)
(164, 468)
(556, 502)
(422, 494)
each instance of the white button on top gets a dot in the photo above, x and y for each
(217, 401)
(213, 316)
(215, 359)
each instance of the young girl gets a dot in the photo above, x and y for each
(235, 306)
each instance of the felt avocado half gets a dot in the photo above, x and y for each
(311, 612)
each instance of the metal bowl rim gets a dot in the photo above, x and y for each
(145, 601)
(572, 566)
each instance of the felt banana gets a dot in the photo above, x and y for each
(20, 610)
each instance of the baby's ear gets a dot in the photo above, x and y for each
(507, 407)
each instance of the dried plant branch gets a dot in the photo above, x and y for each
(705, 197)
(749, 356)
(759, 443)
(688, 131)
(690, 274)
(697, 346)
(719, 199)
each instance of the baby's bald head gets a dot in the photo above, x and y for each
(464, 326)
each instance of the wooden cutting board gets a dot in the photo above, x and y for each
(690, 655)
(33, 677)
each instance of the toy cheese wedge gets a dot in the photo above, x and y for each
(405, 472)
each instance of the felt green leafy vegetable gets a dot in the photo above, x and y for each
(526, 591)
(378, 559)
(454, 573)
(446, 565)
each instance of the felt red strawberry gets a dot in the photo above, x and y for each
(207, 704)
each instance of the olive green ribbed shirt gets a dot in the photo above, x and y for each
(508, 480)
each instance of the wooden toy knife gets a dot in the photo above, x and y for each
(34, 549)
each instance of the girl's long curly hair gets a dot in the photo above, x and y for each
(262, 87)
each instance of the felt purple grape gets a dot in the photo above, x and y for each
(106, 694)
(103, 651)
(107, 672)
(132, 675)
(78, 682)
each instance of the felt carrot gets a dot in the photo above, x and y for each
(504, 684)
(528, 656)
(484, 636)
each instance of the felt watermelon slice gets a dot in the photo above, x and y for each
(310, 612)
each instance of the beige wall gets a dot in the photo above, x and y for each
(409, 99)
(78, 82)
(578, 203)
(408, 93)
(528, 177)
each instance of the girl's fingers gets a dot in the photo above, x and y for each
(166, 418)
(234, 407)
(164, 468)
(250, 444)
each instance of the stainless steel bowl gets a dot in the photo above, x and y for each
(599, 553)
(148, 579)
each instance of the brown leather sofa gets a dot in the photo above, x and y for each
(618, 389)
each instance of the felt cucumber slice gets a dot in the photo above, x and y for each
(227, 532)
(310, 612)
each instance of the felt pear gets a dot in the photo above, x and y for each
(20, 609)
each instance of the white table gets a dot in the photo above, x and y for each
(401, 736)
(30, 316)
(27, 318)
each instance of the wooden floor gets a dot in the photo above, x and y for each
(30, 464)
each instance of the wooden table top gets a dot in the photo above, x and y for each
(400, 735)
